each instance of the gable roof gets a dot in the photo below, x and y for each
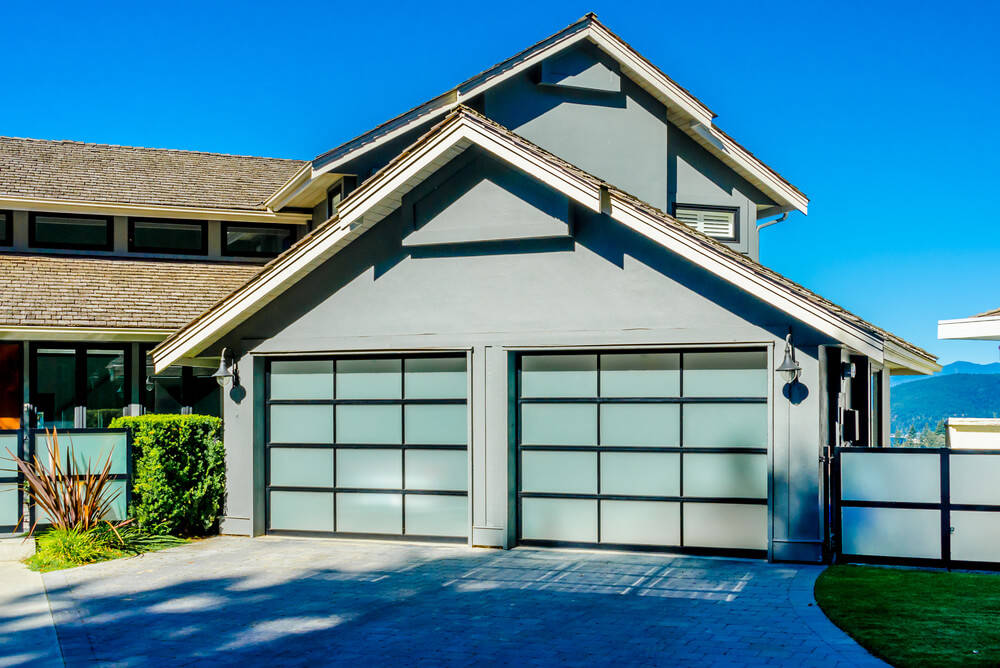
(380, 195)
(34, 170)
(57, 292)
(683, 109)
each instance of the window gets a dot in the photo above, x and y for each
(715, 221)
(65, 377)
(181, 390)
(6, 228)
(247, 240)
(333, 198)
(71, 232)
(167, 236)
(876, 409)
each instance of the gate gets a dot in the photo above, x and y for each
(11, 498)
(921, 506)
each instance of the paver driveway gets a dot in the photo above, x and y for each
(283, 601)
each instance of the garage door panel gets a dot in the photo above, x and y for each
(559, 472)
(734, 374)
(641, 473)
(365, 512)
(728, 425)
(725, 525)
(563, 375)
(640, 375)
(640, 424)
(559, 424)
(569, 520)
(641, 522)
(436, 515)
(725, 475)
(301, 511)
(356, 445)
(437, 470)
(301, 467)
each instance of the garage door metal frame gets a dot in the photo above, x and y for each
(598, 400)
(402, 447)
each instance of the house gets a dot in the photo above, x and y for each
(528, 311)
(978, 433)
(982, 327)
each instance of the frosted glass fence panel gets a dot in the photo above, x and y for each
(563, 472)
(431, 515)
(307, 379)
(572, 520)
(725, 525)
(369, 379)
(891, 532)
(891, 476)
(301, 467)
(725, 475)
(301, 511)
(640, 424)
(370, 513)
(975, 480)
(371, 468)
(301, 424)
(90, 451)
(440, 424)
(7, 442)
(640, 375)
(725, 425)
(436, 378)
(975, 535)
(10, 507)
(559, 376)
(373, 424)
(640, 522)
(640, 473)
(559, 424)
(725, 374)
(437, 470)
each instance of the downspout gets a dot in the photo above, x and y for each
(761, 226)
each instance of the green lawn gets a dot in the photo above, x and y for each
(916, 618)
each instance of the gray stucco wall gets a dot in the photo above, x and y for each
(604, 286)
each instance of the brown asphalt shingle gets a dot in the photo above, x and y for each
(69, 170)
(95, 292)
(995, 311)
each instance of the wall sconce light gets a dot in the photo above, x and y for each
(789, 368)
(149, 383)
(226, 370)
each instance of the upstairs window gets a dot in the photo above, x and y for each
(717, 222)
(72, 232)
(167, 236)
(248, 240)
(6, 228)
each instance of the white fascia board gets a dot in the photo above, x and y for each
(744, 278)
(897, 356)
(27, 333)
(286, 192)
(193, 213)
(983, 328)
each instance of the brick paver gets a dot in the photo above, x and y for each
(283, 601)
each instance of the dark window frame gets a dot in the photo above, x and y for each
(134, 248)
(79, 370)
(8, 228)
(187, 379)
(263, 226)
(331, 192)
(108, 245)
(735, 210)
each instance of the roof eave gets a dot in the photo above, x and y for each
(978, 328)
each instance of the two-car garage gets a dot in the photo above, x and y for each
(653, 448)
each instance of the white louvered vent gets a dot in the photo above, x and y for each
(718, 223)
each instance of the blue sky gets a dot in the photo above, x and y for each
(883, 113)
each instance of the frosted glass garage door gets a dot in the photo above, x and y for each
(368, 446)
(650, 448)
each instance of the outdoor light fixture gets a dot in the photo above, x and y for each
(225, 370)
(149, 384)
(789, 368)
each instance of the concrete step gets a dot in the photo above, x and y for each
(13, 547)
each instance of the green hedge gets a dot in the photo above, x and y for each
(178, 481)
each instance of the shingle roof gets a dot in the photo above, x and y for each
(96, 292)
(70, 170)
(995, 311)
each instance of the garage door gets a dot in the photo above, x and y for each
(368, 446)
(652, 449)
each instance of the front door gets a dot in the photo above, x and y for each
(11, 386)
(661, 449)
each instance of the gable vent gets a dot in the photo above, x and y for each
(717, 223)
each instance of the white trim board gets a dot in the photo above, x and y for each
(979, 328)
(382, 194)
(684, 110)
(153, 211)
(46, 333)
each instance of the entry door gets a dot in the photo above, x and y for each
(368, 446)
(651, 449)
(11, 388)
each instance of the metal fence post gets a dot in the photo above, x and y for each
(946, 507)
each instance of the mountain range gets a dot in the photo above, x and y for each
(960, 389)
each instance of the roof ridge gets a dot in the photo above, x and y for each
(149, 148)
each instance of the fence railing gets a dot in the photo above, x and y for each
(928, 506)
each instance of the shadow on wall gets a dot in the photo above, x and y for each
(444, 605)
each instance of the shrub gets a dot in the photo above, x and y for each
(178, 480)
(65, 548)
